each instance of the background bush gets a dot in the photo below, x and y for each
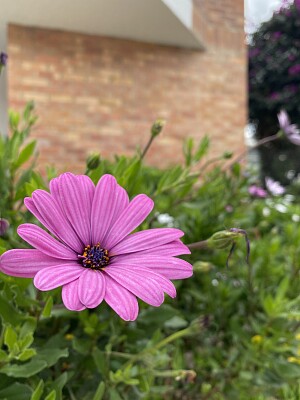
(230, 333)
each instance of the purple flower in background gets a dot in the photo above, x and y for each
(291, 130)
(277, 35)
(274, 96)
(257, 191)
(93, 255)
(295, 69)
(274, 187)
(3, 59)
(4, 225)
(297, 4)
(253, 52)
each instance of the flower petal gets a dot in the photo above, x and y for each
(46, 209)
(103, 207)
(123, 302)
(25, 263)
(70, 296)
(146, 239)
(42, 241)
(76, 193)
(53, 277)
(91, 288)
(142, 283)
(169, 267)
(133, 215)
(122, 202)
(174, 248)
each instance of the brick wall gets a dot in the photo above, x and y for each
(101, 94)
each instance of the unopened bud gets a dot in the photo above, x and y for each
(4, 225)
(227, 155)
(157, 127)
(93, 161)
(222, 239)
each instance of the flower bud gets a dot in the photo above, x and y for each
(93, 161)
(157, 127)
(222, 239)
(4, 225)
(3, 59)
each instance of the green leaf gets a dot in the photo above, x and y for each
(26, 354)
(37, 394)
(17, 391)
(114, 395)
(8, 313)
(100, 360)
(25, 154)
(48, 307)
(10, 338)
(51, 395)
(99, 392)
(24, 370)
(202, 148)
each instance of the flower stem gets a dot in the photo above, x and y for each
(147, 147)
(198, 245)
(261, 142)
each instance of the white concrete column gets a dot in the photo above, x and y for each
(3, 82)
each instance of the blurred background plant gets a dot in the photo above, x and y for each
(231, 333)
(274, 84)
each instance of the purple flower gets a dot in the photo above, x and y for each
(93, 255)
(3, 59)
(253, 52)
(257, 191)
(4, 225)
(297, 4)
(274, 187)
(274, 96)
(277, 35)
(291, 130)
(294, 70)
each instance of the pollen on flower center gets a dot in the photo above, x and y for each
(94, 257)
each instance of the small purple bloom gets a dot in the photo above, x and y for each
(297, 4)
(274, 187)
(294, 70)
(277, 35)
(254, 52)
(3, 59)
(257, 191)
(291, 130)
(4, 225)
(274, 96)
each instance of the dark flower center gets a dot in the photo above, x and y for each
(94, 257)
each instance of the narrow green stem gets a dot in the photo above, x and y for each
(198, 245)
(147, 147)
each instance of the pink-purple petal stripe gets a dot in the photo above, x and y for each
(76, 193)
(46, 209)
(103, 207)
(52, 277)
(133, 215)
(91, 288)
(146, 239)
(70, 296)
(42, 241)
(141, 283)
(25, 263)
(174, 248)
(123, 302)
(122, 202)
(169, 267)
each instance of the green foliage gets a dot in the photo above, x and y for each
(230, 333)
